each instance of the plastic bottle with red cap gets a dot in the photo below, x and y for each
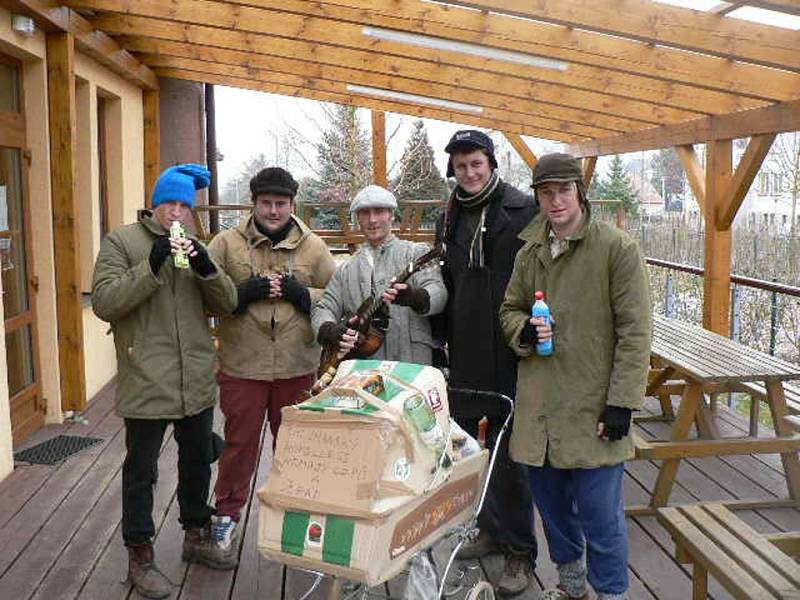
(540, 309)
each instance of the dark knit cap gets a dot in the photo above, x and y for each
(273, 180)
(468, 140)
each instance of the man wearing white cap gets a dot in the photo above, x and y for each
(369, 273)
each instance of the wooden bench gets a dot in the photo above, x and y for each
(716, 542)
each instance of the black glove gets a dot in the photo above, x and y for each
(417, 299)
(255, 288)
(296, 293)
(330, 333)
(380, 320)
(617, 421)
(201, 262)
(529, 336)
(159, 252)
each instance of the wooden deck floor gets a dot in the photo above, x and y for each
(59, 525)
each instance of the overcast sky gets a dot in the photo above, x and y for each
(250, 123)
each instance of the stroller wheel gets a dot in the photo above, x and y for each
(483, 590)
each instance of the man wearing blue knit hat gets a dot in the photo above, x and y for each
(165, 359)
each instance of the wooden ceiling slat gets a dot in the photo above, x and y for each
(51, 16)
(362, 101)
(777, 118)
(200, 68)
(657, 23)
(166, 48)
(574, 45)
(259, 21)
(456, 76)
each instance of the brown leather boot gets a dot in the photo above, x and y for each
(516, 576)
(143, 573)
(199, 547)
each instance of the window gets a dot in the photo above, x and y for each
(763, 184)
(102, 166)
(777, 183)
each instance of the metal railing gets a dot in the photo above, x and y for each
(738, 281)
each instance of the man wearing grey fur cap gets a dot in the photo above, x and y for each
(369, 273)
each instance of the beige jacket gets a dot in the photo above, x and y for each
(272, 339)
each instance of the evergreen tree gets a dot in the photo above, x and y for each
(668, 177)
(418, 177)
(344, 156)
(618, 187)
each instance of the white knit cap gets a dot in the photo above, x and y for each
(373, 196)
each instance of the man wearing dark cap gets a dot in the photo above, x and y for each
(573, 415)
(268, 356)
(479, 229)
(165, 360)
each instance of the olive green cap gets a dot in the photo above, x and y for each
(556, 167)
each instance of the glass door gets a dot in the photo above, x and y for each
(27, 406)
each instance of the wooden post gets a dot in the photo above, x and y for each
(152, 142)
(522, 149)
(379, 176)
(63, 148)
(211, 157)
(717, 281)
(589, 163)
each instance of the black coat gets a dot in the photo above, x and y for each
(479, 356)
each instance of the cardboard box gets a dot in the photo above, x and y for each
(351, 453)
(371, 550)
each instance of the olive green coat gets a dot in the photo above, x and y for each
(273, 338)
(598, 295)
(165, 353)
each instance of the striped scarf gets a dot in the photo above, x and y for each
(479, 199)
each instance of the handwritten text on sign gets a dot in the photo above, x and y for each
(435, 512)
(315, 463)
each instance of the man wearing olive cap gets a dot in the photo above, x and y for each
(482, 220)
(369, 272)
(572, 424)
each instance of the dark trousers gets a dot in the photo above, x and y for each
(143, 439)
(507, 513)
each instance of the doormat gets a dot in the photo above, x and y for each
(55, 450)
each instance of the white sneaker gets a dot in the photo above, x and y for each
(223, 532)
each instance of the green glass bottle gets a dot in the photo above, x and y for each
(177, 232)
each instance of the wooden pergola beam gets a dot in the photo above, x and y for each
(152, 142)
(357, 100)
(335, 83)
(263, 30)
(695, 173)
(51, 16)
(457, 76)
(163, 50)
(574, 46)
(589, 164)
(717, 278)
(777, 118)
(379, 174)
(66, 228)
(654, 23)
(522, 149)
(746, 171)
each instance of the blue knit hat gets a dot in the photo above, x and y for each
(180, 183)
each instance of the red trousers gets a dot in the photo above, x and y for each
(245, 403)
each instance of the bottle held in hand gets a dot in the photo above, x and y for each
(540, 309)
(177, 232)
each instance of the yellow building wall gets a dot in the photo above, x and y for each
(125, 183)
(31, 51)
(125, 149)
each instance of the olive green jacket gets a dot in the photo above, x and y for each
(598, 295)
(273, 338)
(165, 353)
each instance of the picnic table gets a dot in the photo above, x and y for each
(693, 362)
